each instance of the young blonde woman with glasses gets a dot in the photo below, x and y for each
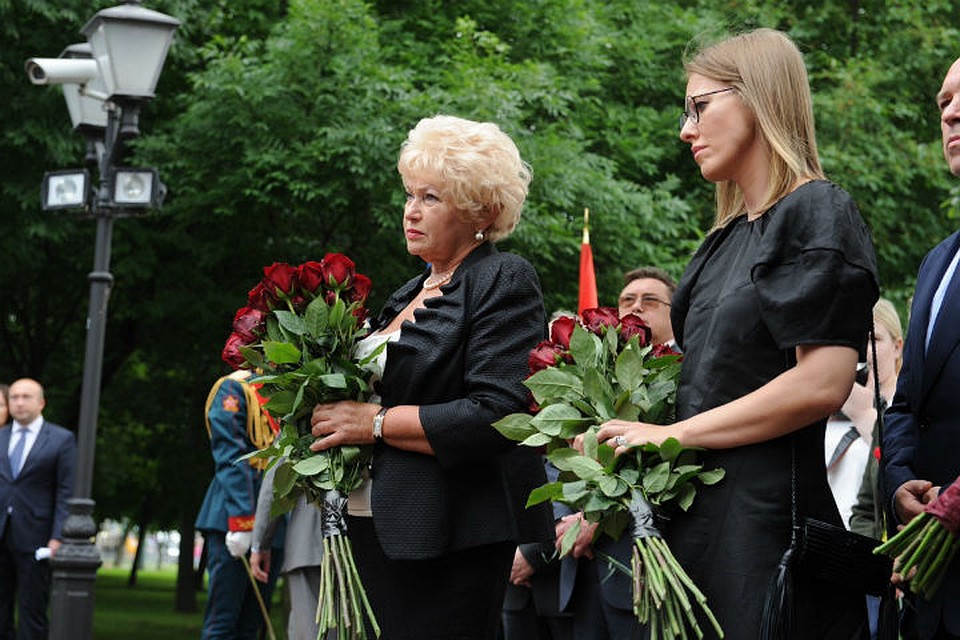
(771, 314)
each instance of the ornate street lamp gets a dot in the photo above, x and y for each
(105, 81)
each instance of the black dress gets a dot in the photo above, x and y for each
(802, 273)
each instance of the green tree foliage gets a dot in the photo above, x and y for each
(277, 126)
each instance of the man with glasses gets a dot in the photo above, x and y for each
(647, 292)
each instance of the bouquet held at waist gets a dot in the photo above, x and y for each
(298, 333)
(585, 375)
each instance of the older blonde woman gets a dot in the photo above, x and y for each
(436, 538)
(771, 314)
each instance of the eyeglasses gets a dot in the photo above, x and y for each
(647, 302)
(691, 108)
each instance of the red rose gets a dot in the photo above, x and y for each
(257, 298)
(596, 319)
(310, 276)
(633, 325)
(546, 354)
(248, 324)
(561, 329)
(279, 280)
(361, 288)
(338, 270)
(360, 313)
(231, 351)
(664, 350)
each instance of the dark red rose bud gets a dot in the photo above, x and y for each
(361, 288)
(663, 350)
(596, 319)
(231, 352)
(338, 270)
(946, 508)
(561, 329)
(310, 276)
(279, 280)
(546, 354)
(257, 298)
(248, 323)
(633, 325)
(330, 297)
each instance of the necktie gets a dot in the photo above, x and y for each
(16, 456)
(845, 441)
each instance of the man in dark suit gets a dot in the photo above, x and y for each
(921, 446)
(37, 460)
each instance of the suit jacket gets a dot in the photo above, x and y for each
(462, 362)
(302, 543)
(231, 498)
(922, 437)
(33, 507)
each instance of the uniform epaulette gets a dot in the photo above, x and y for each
(260, 430)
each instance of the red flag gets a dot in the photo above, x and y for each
(588, 279)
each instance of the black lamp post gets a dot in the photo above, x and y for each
(105, 82)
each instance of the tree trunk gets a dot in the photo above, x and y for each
(186, 593)
(143, 522)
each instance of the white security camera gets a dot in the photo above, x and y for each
(61, 70)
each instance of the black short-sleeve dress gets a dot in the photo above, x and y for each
(803, 273)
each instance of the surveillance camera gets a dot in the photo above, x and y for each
(60, 70)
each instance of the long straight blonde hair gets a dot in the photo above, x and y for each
(766, 68)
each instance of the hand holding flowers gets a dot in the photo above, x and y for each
(924, 549)
(605, 372)
(298, 332)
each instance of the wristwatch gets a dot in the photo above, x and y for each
(378, 423)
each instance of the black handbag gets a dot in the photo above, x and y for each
(823, 552)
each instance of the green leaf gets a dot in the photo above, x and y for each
(554, 384)
(580, 465)
(612, 486)
(291, 322)
(686, 495)
(569, 538)
(280, 402)
(656, 478)
(537, 440)
(574, 491)
(629, 368)
(555, 418)
(547, 493)
(599, 394)
(713, 476)
(670, 449)
(284, 479)
(281, 352)
(586, 349)
(316, 317)
(312, 466)
(515, 426)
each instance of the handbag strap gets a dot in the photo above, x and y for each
(794, 509)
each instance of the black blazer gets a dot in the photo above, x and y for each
(462, 362)
(33, 507)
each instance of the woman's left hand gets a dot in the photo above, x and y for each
(622, 434)
(346, 422)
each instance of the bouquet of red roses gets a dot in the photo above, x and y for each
(923, 550)
(585, 375)
(298, 333)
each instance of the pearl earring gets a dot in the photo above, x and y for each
(478, 236)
